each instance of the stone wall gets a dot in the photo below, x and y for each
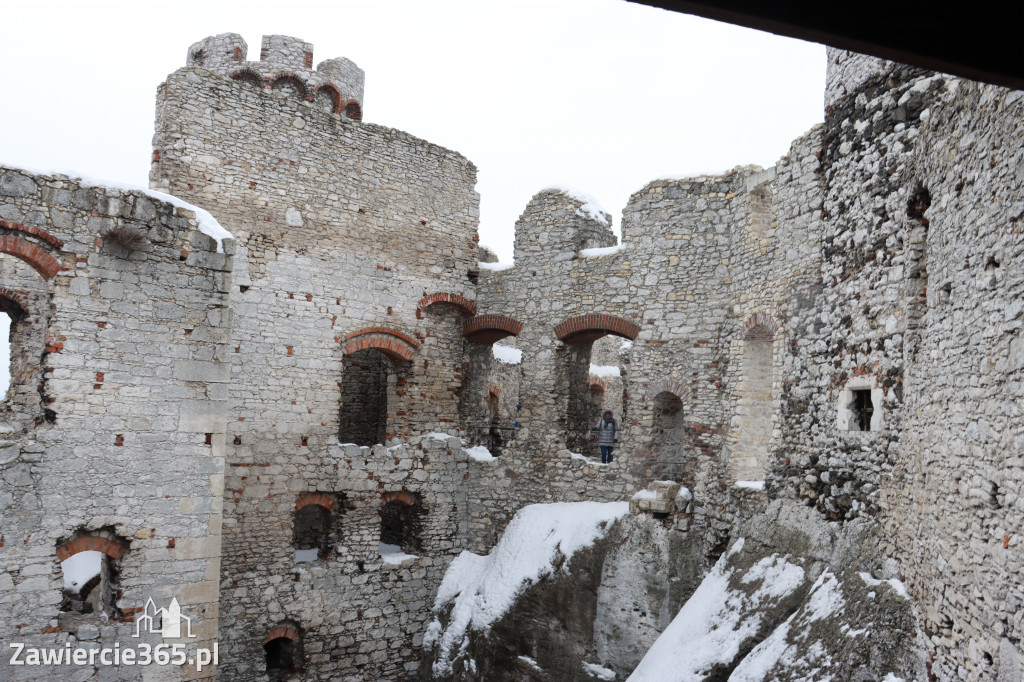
(121, 447)
(356, 243)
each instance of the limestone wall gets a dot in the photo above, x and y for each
(127, 358)
(350, 289)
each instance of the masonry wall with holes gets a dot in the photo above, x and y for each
(113, 428)
(903, 372)
(350, 289)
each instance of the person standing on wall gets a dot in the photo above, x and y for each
(607, 435)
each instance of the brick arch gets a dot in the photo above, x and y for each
(353, 110)
(33, 231)
(468, 306)
(248, 76)
(588, 328)
(14, 303)
(490, 328)
(403, 496)
(36, 256)
(599, 384)
(286, 631)
(673, 387)
(333, 93)
(92, 543)
(291, 78)
(391, 342)
(760, 326)
(325, 501)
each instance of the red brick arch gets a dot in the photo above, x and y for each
(36, 256)
(248, 76)
(353, 110)
(490, 328)
(289, 77)
(403, 496)
(760, 326)
(391, 342)
(91, 543)
(588, 328)
(598, 384)
(333, 93)
(285, 631)
(468, 306)
(325, 501)
(10, 299)
(673, 387)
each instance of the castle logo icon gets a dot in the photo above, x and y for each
(166, 622)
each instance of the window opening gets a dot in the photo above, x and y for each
(283, 656)
(311, 533)
(401, 522)
(862, 409)
(6, 325)
(364, 398)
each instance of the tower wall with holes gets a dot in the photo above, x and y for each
(355, 247)
(113, 428)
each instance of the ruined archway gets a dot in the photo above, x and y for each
(375, 366)
(578, 335)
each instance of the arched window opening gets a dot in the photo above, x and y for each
(83, 582)
(311, 533)
(283, 652)
(755, 408)
(366, 376)
(401, 523)
(89, 565)
(671, 453)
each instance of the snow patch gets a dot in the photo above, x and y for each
(645, 495)
(507, 354)
(825, 600)
(530, 662)
(81, 568)
(437, 435)
(481, 589)
(896, 585)
(602, 250)
(750, 485)
(625, 346)
(208, 225)
(584, 458)
(716, 620)
(605, 370)
(495, 267)
(302, 555)
(393, 554)
(480, 453)
(598, 671)
(590, 208)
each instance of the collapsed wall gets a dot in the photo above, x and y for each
(114, 424)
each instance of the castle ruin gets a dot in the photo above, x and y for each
(242, 422)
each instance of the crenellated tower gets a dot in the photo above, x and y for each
(286, 66)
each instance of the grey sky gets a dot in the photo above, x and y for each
(599, 95)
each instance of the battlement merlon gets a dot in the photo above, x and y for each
(286, 64)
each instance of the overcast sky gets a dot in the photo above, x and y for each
(598, 95)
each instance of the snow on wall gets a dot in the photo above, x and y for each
(481, 589)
